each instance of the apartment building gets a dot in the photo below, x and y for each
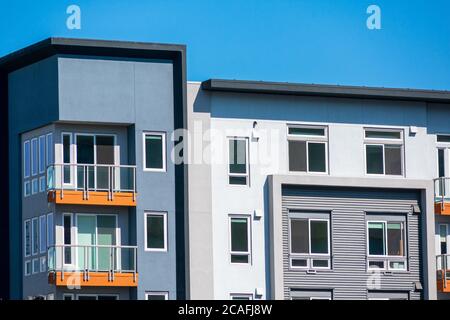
(287, 191)
(96, 206)
(317, 192)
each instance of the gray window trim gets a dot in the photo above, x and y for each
(322, 294)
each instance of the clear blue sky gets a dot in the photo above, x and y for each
(309, 41)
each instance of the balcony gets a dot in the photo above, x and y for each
(77, 266)
(443, 273)
(442, 196)
(88, 184)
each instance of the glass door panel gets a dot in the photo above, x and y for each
(85, 155)
(86, 237)
(106, 235)
(104, 156)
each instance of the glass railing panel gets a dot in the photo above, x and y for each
(126, 179)
(103, 177)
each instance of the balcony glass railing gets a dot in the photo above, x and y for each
(442, 267)
(89, 177)
(92, 258)
(442, 189)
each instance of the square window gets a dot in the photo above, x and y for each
(154, 152)
(307, 149)
(156, 231)
(384, 150)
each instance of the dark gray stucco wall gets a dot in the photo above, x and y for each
(32, 103)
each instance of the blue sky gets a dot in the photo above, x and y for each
(308, 41)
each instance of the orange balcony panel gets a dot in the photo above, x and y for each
(442, 208)
(96, 279)
(96, 198)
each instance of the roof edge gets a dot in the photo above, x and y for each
(301, 89)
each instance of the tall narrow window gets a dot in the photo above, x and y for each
(154, 152)
(443, 238)
(386, 243)
(50, 230)
(34, 157)
(26, 159)
(309, 240)
(67, 227)
(307, 148)
(27, 237)
(156, 231)
(35, 235)
(238, 161)
(50, 149)
(41, 154)
(240, 239)
(384, 150)
(42, 234)
(67, 158)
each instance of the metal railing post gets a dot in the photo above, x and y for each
(134, 184)
(445, 270)
(135, 264)
(62, 182)
(62, 263)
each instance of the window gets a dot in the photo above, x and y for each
(27, 237)
(27, 188)
(311, 295)
(307, 149)
(41, 154)
(156, 296)
(154, 152)
(67, 157)
(386, 243)
(67, 237)
(26, 159)
(68, 296)
(50, 149)
(42, 234)
(35, 266)
(443, 238)
(443, 138)
(50, 230)
(387, 295)
(97, 297)
(155, 231)
(309, 237)
(35, 236)
(34, 186)
(241, 296)
(27, 268)
(43, 264)
(384, 149)
(34, 157)
(240, 239)
(42, 184)
(238, 161)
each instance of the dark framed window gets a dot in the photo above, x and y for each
(240, 239)
(384, 152)
(154, 151)
(238, 161)
(155, 231)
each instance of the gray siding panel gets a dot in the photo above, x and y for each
(348, 275)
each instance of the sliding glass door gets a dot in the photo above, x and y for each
(94, 233)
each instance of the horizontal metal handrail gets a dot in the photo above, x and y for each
(109, 180)
(56, 259)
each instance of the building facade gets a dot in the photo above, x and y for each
(96, 204)
(317, 192)
(286, 191)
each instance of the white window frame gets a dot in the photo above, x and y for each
(34, 160)
(50, 229)
(69, 295)
(27, 268)
(247, 164)
(28, 221)
(241, 295)
(42, 234)
(50, 149)
(156, 213)
(387, 258)
(309, 139)
(157, 293)
(43, 264)
(33, 240)
(27, 188)
(309, 257)
(248, 253)
(164, 151)
(35, 186)
(25, 164)
(35, 266)
(383, 142)
(42, 184)
(42, 154)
